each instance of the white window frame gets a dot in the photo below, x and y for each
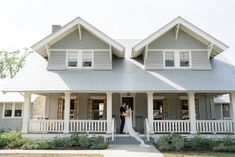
(222, 115)
(177, 58)
(79, 59)
(13, 110)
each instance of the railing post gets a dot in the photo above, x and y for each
(26, 112)
(150, 110)
(192, 113)
(109, 112)
(66, 112)
(232, 103)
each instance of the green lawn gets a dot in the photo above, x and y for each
(198, 154)
(51, 155)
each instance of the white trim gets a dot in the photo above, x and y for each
(221, 109)
(79, 49)
(79, 31)
(158, 97)
(183, 97)
(98, 97)
(79, 60)
(12, 110)
(210, 47)
(177, 58)
(177, 49)
(47, 50)
(84, 24)
(177, 28)
(136, 49)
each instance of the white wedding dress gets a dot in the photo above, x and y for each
(128, 129)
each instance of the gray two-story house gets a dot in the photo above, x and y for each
(169, 79)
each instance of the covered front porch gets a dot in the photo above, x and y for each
(153, 113)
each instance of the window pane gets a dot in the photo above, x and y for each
(87, 58)
(184, 59)
(18, 110)
(8, 110)
(72, 58)
(225, 110)
(169, 59)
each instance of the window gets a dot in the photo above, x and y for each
(225, 111)
(169, 59)
(18, 109)
(80, 59)
(157, 109)
(184, 59)
(87, 59)
(11, 110)
(96, 109)
(8, 110)
(72, 58)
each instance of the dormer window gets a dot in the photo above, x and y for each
(177, 59)
(87, 59)
(80, 59)
(169, 59)
(184, 59)
(72, 59)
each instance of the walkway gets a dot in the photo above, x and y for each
(112, 151)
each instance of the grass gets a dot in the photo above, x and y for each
(51, 155)
(198, 154)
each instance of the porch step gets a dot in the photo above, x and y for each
(128, 140)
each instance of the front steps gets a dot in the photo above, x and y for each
(128, 140)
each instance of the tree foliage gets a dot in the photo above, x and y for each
(12, 62)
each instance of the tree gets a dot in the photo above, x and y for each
(12, 62)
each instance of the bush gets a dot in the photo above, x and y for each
(84, 142)
(224, 149)
(57, 142)
(3, 143)
(98, 143)
(199, 143)
(171, 142)
(74, 139)
(13, 139)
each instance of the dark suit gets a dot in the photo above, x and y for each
(122, 117)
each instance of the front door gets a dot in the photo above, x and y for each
(130, 101)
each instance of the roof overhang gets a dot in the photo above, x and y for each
(214, 46)
(41, 47)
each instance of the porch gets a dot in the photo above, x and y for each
(153, 113)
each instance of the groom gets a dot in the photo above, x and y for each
(122, 117)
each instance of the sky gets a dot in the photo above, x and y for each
(25, 22)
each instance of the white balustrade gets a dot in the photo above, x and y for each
(215, 126)
(88, 126)
(45, 126)
(171, 126)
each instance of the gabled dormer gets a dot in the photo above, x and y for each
(78, 45)
(178, 45)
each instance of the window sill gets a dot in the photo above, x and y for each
(12, 117)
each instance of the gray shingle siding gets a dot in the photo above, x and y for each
(102, 60)
(200, 60)
(57, 60)
(154, 60)
(184, 41)
(72, 41)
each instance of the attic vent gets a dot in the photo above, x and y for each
(55, 28)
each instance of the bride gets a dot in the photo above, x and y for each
(128, 126)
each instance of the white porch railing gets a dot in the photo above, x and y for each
(44, 126)
(88, 126)
(170, 126)
(215, 126)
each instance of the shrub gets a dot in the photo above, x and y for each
(13, 139)
(84, 142)
(3, 142)
(98, 143)
(171, 142)
(199, 143)
(57, 142)
(224, 149)
(74, 139)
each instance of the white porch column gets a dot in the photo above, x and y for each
(232, 110)
(109, 112)
(66, 112)
(26, 112)
(150, 110)
(192, 112)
